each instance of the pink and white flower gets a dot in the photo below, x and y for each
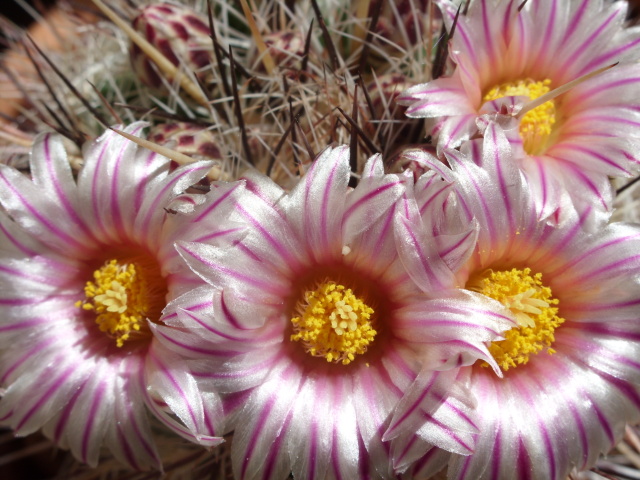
(86, 264)
(505, 56)
(297, 274)
(571, 369)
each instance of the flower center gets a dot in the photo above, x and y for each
(536, 125)
(333, 323)
(533, 306)
(123, 294)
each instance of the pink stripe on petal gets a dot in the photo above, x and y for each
(384, 234)
(22, 273)
(24, 324)
(540, 423)
(221, 233)
(17, 243)
(324, 210)
(264, 232)
(615, 265)
(196, 307)
(455, 324)
(60, 193)
(613, 84)
(254, 282)
(32, 351)
(488, 37)
(252, 443)
(126, 448)
(597, 250)
(429, 272)
(547, 37)
(185, 402)
(19, 302)
(55, 386)
(434, 196)
(399, 457)
(627, 389)
(228, 315)
(163, 194)
(610, 56)
(457, 245)
(213, 330)
(582, 149)
(41, 218)
(493, 146)
(115, 197)
(135, 374)
(479, 193)
(575, 20)
(92, 414)
(196, 350)
(66, 413)
(604, 423)
(95, 184)
(435, 424)
(462, 34)
(211, 206)
(592, 187)
(148, 172)
(274, 453)
(542, 176)
(239, 372)
(609, 330)
(401, 366)
(369, 197)
(587, 44)
(426, 390)
(594, 118)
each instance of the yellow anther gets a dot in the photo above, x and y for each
(533, 306)
(333, 323)
(120, 297)
(536, 126)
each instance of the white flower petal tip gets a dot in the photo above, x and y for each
(88, 264)
(209, 441)
(575, 115)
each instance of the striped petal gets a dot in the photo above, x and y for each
(434, 403)
(372, 199)
(258, 440)
(35, 211)
(169, 377)
(315, 207)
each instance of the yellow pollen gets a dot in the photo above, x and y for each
(333, 323)
(536, 125)
(119, 295)
(534, 308)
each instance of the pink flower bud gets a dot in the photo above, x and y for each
(285, 47)
(187, 138)
(178, 32)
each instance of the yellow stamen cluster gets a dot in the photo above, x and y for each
(333, 323)
(119, 296)
(532, 304)
(536, 125)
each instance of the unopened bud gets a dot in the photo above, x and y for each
(191, 140)
(179, 33)
(285, 47)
